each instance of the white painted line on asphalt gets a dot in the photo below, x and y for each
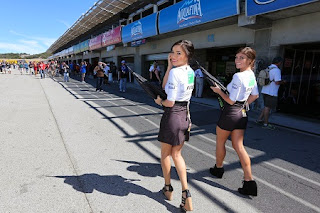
(131, 102)
(300, 200)
(129, 131)
(316, 208)
(101, 99)
(267, 163)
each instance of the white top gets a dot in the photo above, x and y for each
(152, 68)
(180, 83)
(106, 69)
(274, 75)
(242, 85)
(198, 73)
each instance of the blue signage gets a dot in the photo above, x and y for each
(257, 7)
(143, 28)
(189, 13)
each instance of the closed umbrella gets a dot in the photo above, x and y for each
(152, 90)
(214, 82)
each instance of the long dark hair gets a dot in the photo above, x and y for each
(187, 46)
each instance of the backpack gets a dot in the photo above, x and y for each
(263, 77)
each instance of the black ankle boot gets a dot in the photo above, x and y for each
(249, 188)
(218, 172)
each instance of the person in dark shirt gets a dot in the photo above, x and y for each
(123, 76)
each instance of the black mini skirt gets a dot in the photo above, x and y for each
(233, 117)
(174, 124)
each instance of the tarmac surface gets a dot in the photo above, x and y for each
(66, 148)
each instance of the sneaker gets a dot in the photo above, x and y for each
(268, 126)
(259, 121)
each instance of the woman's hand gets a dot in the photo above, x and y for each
(169, 62)
(158, 100)
(216, 89)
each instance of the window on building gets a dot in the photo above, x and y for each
(136, 17)
(147, 12)
(165, 4)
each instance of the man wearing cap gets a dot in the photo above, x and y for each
(270, 92)
(123, 75)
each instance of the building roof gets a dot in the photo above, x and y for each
(101, 11)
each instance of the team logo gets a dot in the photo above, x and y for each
(260, 2)
(136, 29)
(191, 9)
(234, 86)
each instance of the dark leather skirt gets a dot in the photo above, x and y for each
(233, 117)
(174, 124)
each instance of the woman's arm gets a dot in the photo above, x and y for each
(252, 98)
(165, 78)
(223, 95)
(165, 103)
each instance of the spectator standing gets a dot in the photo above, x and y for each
(71, 68)
(123, 76)
(65, 68)
(199, 83)
(9, 68)
(100, 75)
(35, 67)
(26, 66)
(83, 70)
(21, 67)
(113, 69)
(52, 69)
(270, 93)
(42, 69)
(154, 73)
(108, 72)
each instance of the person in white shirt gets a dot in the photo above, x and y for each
(270, 92)
(155, 72)
(243, 90)
(199, 83)
(107, 72)
(178, 83)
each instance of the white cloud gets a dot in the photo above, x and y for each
(20, 48)
(29, 44)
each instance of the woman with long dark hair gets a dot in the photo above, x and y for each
(178, 83)
(233, 120)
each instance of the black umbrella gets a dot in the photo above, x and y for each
(213, 82)
(152, 90)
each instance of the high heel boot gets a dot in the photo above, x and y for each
(218, 172)
(186, 202)
(249, 188)
(167, 190)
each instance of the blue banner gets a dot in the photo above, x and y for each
(257, 7)
(143, 28)
(188, 13)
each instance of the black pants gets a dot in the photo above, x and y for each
(99, 83)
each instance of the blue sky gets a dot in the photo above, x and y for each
(31, 26)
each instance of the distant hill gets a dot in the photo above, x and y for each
(24, 55)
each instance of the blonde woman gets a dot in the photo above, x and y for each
(233, 120)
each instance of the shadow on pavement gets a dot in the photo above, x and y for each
(114, 185)
(154, 170)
